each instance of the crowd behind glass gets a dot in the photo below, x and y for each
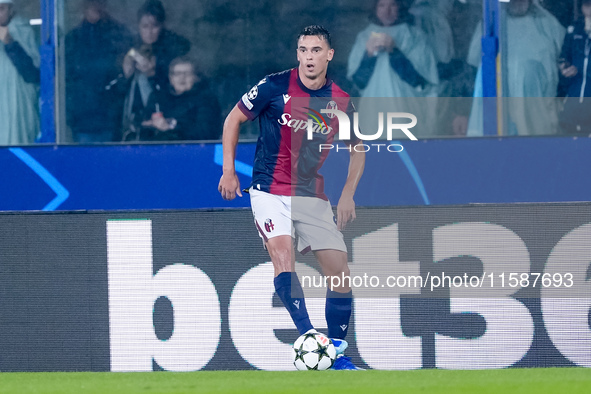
(145, 83)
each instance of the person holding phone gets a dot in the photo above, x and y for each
(391, 59)
(145, 67)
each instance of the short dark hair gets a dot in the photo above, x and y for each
(101, 3)
(404, 15)
(153, 8)
(182, 60)
(316, 30)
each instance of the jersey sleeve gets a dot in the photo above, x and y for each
(256, 99)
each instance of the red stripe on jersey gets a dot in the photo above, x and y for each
(285, 175)
(342, 99)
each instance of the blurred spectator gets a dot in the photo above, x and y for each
(431, 17)
(534, 39)
(145, 67)
(164, 44)
(391, 58)
(19, 79)
(187, 110)
(575, 69)
(94, 52)
(139, 68)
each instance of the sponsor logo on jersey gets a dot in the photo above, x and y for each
(302, 124)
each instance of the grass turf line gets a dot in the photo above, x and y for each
(535, 380)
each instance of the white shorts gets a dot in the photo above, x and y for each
(309, 220)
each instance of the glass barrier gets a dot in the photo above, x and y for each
(19, 72)
(144, 71)
(540, 70)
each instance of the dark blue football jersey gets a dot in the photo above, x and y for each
(286, 160)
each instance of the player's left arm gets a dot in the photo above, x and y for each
(346, 205)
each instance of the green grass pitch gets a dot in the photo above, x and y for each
(534, 381)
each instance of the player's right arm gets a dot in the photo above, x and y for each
(248, 108)
(229, 185)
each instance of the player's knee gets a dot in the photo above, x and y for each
(279, 251)
(281, 255)
(345, 271)
(341, 271)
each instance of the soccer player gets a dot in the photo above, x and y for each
(286, 193)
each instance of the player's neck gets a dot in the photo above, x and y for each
(312, 84)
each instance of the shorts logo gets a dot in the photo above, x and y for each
(269, 226)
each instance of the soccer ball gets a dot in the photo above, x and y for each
(313, 351)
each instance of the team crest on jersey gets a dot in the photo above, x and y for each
(331, 105)
(269, 226)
